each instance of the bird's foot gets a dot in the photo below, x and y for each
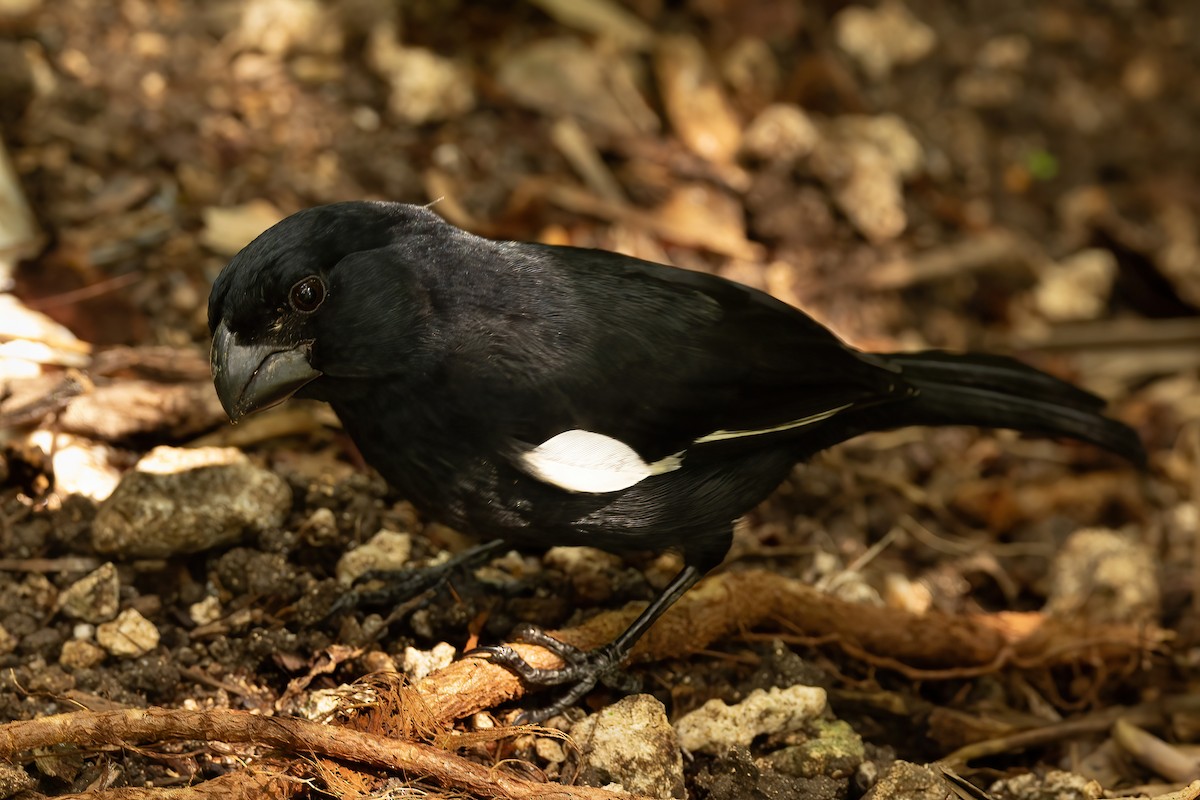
(399, 586)
(395, 588)
(581, 670)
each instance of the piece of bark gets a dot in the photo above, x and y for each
(124, 409)
(302, 737)
(930, 645)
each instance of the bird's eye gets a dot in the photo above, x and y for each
(307, 294)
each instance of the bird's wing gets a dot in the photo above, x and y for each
(622, 369)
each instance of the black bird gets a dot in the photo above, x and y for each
(562, 396)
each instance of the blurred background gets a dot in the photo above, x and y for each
(1021, 176)
(931, 171)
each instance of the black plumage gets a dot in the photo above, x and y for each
(562, 396)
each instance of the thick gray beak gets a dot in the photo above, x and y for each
(252, 377)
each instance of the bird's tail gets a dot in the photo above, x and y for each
(999, 392)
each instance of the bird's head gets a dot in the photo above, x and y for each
(326, 294)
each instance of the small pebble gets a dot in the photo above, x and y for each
(910, 782)
(185, 500)
(882, 38)
(77, 654)
(420, 663)
(631, 743)
(716, 726)
(130, 634)
(206, 611)
(386, 551)
(377, 661)
(1104, 577)
(425, 86)
(781, 132)
(93, 598)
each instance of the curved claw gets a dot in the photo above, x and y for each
(403, 585)
(398, 587)
(581, 670)
(504, 656)
(345, 602)
(536, 716)
(528, 633)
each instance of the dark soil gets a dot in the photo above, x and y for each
(1050, 210)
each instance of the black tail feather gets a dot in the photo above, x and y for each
(999, 392)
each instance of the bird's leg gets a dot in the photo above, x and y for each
(583, 669)
(402, 585)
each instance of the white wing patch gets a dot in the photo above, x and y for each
(719, 436)
(584, 461)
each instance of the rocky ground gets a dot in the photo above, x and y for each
(913, 615)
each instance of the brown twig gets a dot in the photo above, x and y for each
(297, 736)
(977, 253)
(932, 645)
(264, 781)
(1152, 752)
(1107, 335)
(64, 564)
(97, 289)
(1097, 722)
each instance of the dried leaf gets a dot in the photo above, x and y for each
(695, 102)
(566, 77)
(601, 17)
